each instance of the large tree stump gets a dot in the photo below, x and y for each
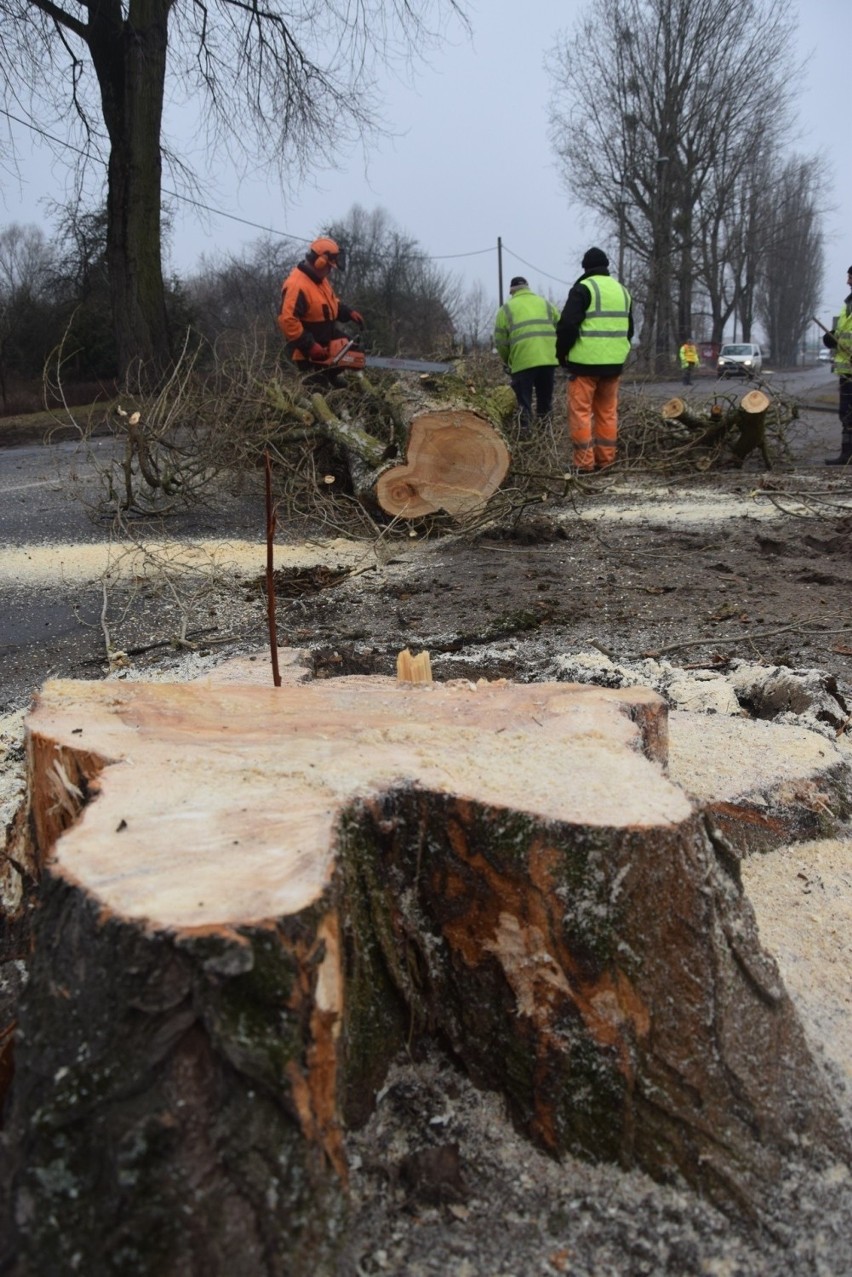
(252, 896)
(751, 423)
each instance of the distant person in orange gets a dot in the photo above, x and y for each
(310, 309)
(688, 356)
(593, 341)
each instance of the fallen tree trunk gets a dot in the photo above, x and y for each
(252, 897)
(454, 459)
(676, 409)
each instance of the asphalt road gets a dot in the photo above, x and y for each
(48, 497)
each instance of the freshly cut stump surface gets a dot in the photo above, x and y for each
(252, 897)
(455, 461)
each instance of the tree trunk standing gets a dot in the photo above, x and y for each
(129, 57)
(662, 264)
(686, 271)
(748, 418)
(755, 246)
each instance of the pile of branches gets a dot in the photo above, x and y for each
(709, 436)
(221, 412)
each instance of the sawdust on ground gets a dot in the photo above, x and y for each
(517, 1212)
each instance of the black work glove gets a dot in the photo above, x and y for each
(318, 354)
(829, 340)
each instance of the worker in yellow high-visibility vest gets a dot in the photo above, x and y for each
(525, 340)
(688, 356)
(840, 341)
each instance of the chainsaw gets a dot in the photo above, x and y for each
(345, 353)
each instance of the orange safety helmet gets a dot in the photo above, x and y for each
(324, 252)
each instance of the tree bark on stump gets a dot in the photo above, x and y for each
(251, 897)
(751, 423)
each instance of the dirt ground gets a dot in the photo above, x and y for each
(699, 575)
(700, 571)
(699, 567)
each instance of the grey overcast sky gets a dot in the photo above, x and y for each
(471, 161)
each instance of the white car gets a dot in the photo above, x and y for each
(739, 359)
(825, 356)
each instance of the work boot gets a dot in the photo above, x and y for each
(845, 451)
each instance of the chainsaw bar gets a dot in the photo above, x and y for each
(345, 354)
(407, 365)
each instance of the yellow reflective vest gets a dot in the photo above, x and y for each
(843, 336)
(525, 331)
(603, 333)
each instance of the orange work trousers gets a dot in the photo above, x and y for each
(593, 420)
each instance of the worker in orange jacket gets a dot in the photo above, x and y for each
(310, 308)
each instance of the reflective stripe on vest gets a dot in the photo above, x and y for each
(525, 328)
(603, 333)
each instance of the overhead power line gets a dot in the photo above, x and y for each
(274, 230)
(218, 212)
(537, 269)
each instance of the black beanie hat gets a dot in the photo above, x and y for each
(518, 282)
(595, 259)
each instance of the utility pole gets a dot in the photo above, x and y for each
(500, 268)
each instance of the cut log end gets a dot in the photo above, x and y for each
(672, 409)
(456, 461)
(754, 401)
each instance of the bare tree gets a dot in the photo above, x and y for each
(409, 303)
(290, 82)
(792, 264)
(475, 318)
(655, 123)
(26, 333)
(238, 294)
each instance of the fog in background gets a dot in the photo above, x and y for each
(469, 162)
